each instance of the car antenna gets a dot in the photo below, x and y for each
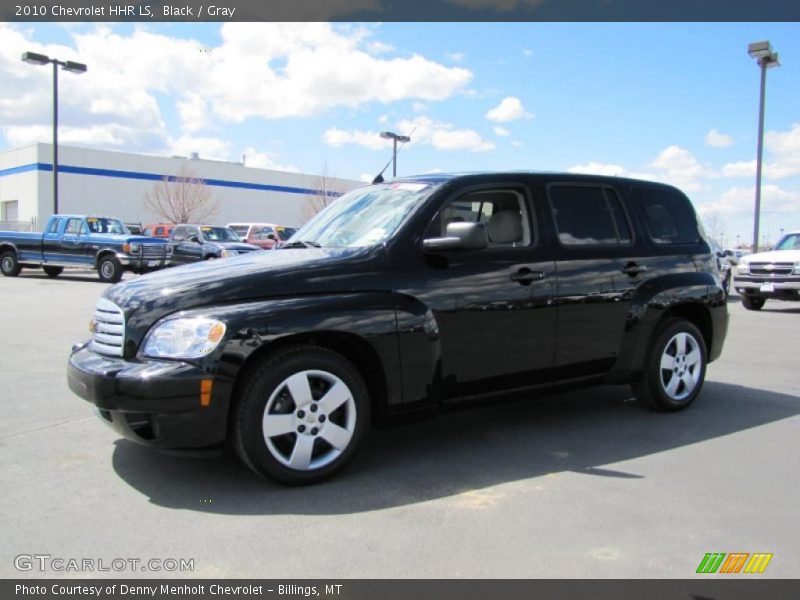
(379, 177)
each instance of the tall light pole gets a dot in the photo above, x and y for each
(388, 135)
(73, 67)
(766, 59)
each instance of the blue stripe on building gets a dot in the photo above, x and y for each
(244, 185)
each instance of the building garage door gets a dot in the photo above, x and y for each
(10, 211)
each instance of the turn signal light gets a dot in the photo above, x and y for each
(205, 392)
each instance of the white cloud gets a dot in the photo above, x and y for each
(718, 140)
(206, 147)
(265, 160)
(510, 109)
(366, 177)
(443, 136)
(383, 119)
(679, 167)
(783, 157)
(262, 70)
(422, 129)
(517, 143)
(527, 52)
(368, 139)
(419, 107)
(500, 131)
(598, 168)
(740, 202)
(456, 56)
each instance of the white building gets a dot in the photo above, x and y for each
(115, 183)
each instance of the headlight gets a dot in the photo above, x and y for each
(228, 253)
(184, 338)
(132, 248)
(743, 268)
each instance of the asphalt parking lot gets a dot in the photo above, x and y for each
(577, 484)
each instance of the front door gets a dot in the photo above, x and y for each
(493, 307)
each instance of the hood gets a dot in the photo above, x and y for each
(785, 256)
(251, 276)
(238, 246)
(121, 238)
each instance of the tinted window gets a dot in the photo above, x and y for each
(668, 215)
(588, 215)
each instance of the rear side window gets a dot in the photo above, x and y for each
(179, 234)
(669, 216)
(589, 215)
(54, 226)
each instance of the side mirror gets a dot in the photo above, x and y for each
(193, 238)
(271, 236)
(728, 253)
(459, 236)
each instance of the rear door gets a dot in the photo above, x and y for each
(72, 250)
(600, 263)
(51, 241)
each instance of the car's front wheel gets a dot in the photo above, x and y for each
(301, 415)
(675, 367)
(753, 302)
(109, 269)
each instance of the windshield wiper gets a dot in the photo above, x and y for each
(301, 244)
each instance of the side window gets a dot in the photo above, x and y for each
(73, 226)
(588, 215)
(669, 216)
(159, 231)
(54, 226)
(504, 212)
(179, 234)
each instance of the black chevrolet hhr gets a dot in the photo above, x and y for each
(409, 296)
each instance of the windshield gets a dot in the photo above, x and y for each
(104, 225)
(219, 234)
(790, 242)
(284, 233)
(364, 217)
(240, 230)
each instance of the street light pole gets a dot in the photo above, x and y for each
(73, 67)
(388, 135)
(766, 58)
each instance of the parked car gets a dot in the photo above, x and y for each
(770, 275)
(134, 228)
(193, 243)
(99, 243)
(263, 235)
(724, 263)
(404, 298)
(159, 230)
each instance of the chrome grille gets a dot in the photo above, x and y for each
(771, 269)
(108, 334)
(153, 250)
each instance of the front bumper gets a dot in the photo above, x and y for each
(153, 402)
(786, 287)
(144, 263)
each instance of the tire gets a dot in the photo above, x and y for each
(53, 271)
(210, 257)
(9, 264)
(753, 302)
(674, 368)
(109, 270)
(315, 405)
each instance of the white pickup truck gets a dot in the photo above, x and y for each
(770, 275)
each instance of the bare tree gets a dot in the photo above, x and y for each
(326, 190)
(183, 198)
(714, 226)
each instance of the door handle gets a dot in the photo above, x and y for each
(525, 276)
(632, 269)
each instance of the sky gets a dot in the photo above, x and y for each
(663, 101)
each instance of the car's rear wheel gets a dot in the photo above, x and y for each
(753, 302)
(9, 264)
(53, 271)
(675, 367)
(109, 269)
(301, 415)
